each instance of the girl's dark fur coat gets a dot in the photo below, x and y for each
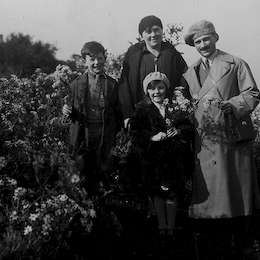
(165, 162)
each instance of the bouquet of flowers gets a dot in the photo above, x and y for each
(212, 129)
(211, 101)
(123, 145)
(179, 113)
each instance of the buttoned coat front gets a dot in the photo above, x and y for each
(225, 183)
(131, 89)
(164, 162)
(111, 117)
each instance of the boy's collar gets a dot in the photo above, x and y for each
(93, 74)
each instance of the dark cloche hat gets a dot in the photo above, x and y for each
(149, 21)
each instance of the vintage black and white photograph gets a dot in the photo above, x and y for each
(129, 129)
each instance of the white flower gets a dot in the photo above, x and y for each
(75, 178)
(58, 212)
(211, 101)
(26, 204)
(19, 192)
(33, 216)
(46, 227)
(12, 181)
(27, 230)
(63, 197)
(3, 162)
(13, 216)
(92, 213)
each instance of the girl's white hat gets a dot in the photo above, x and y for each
(155, 76)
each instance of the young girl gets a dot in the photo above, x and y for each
(160, 149)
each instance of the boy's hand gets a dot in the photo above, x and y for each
(66, 110)
(126, 123)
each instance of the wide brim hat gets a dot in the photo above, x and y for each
(155, 76)
(198, 29)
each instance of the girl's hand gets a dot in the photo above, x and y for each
(159, 137)
(172, 132)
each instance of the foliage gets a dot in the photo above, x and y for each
(179, 113)
(21, 56)
(215, 130)
(255, 116)
(123, 145)
(173, 33)
(114, 65)
(41, 194)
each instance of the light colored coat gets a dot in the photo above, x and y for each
(225, 183)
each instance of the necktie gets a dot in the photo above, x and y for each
(207, 66)
(97, 95)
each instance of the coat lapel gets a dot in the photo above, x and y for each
(109, 86)
(84, 94)
(220, 67)
(134, 65)
(193, 79)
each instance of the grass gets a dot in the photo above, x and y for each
(138, 238)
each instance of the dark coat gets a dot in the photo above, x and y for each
(164, 162)
(111, 117)
(131, 89)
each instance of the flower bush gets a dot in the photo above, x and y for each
(41, 191)
(42, 195)
(123, 146)
(210, 103)
(255, 116)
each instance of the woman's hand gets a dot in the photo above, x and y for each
(159, 137)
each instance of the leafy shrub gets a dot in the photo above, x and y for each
(41, 192)
(256, 143)
(42, 196)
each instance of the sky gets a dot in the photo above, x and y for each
(68, 24)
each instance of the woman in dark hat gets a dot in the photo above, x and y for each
(150, 55)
